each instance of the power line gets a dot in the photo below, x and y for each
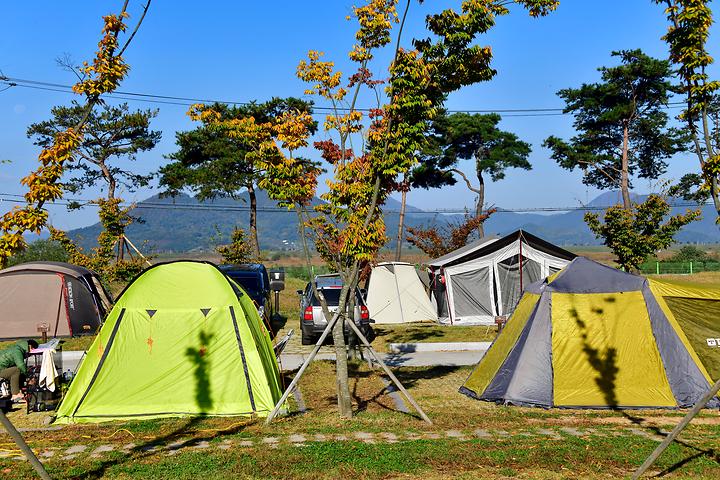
(239, 208)
(187, 101)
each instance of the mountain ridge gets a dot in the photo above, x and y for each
(185, 224)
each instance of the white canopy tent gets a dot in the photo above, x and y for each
(485, 279)
(396, 295)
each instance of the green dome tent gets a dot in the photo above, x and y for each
(181, 340)
(592, 336)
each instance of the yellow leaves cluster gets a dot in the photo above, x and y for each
(375, 19)
(326, 81)
(290, 181)
(103, 76)
(540, 8)
(62, 149)
(107, 70)
(200, 112)
(344, 124)
(284, 178)
(292, 129)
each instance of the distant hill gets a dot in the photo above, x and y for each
(184, 224)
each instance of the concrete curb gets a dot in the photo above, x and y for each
(438, 347)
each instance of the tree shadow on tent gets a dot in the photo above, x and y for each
(604, 362)
(202, 377)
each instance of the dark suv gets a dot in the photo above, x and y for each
(253, 278)
(312, 320)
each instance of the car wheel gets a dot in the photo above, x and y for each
(369, 332)
(307, 339)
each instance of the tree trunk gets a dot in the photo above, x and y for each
(341, 359)
(624, 180)
(715, 194)
(254, 244)
(112, 184)
(401, 224)
(480, 203)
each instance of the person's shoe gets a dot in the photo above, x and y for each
(18, 398)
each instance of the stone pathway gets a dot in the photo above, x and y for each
(301, 440)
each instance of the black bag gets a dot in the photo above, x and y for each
(40, 399)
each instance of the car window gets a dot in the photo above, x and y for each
(332, 297)
(251, 284)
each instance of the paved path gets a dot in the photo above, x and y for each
(293, 361)
(99, 450)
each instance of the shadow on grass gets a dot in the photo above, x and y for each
(150, 448)
(710, 453)
(409, 379)
(412, 334)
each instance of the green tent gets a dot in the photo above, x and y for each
(181, 340)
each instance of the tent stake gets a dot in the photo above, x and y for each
(676, 431)
(304, 366)
(18, 439)
(389, 373)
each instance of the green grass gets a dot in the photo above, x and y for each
(435, 389)
(430, 332)
(609, 452)
(589, 457)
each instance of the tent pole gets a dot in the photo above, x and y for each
(397, 289)
(304, 366)
(677, 430)
(136, 250)
(521, 262)
(447, 296)
(389, 373)
(26, 450)
(62, 294)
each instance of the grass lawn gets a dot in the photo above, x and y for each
(518, 443)
(709, 278)
(430, 332)
(607, 448)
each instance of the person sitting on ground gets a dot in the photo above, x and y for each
(12, 365)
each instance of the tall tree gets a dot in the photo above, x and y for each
(463, 136)
(111, 134)
(437, 241)
(101, 76)
(212, 161)
(622, 127)
(639, 232)
(687, 36)
(348, 229)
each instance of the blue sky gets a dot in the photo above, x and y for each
(243, 50)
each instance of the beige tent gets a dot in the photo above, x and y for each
(396, 295)
(62, 299)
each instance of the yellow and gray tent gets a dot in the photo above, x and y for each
(182, 340)
(592, 336)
